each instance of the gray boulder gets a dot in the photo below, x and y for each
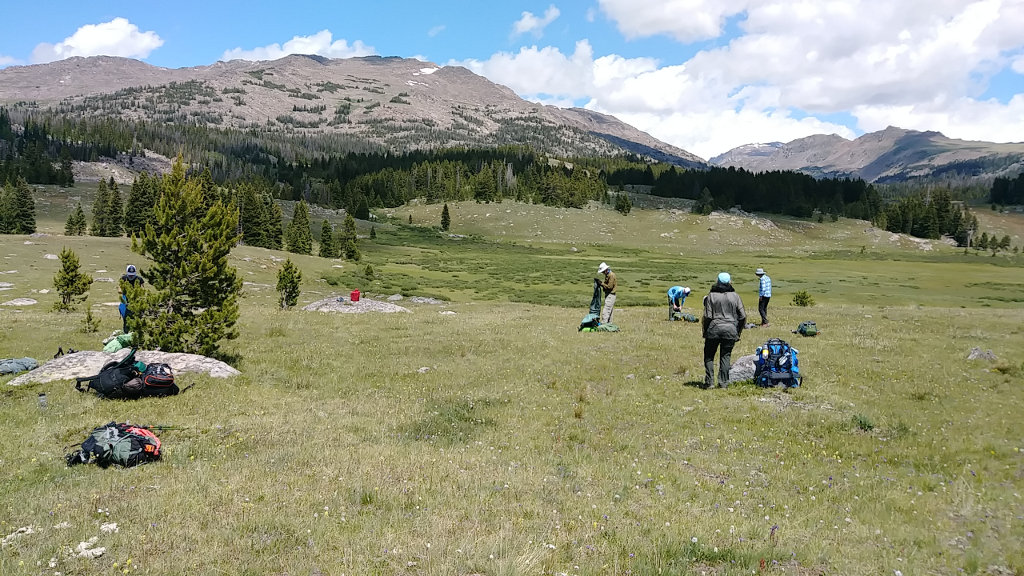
(742, 369)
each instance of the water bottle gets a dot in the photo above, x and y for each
(42, 401)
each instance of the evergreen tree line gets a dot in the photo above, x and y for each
(1006, 191)
(17, 208)
(935, 215)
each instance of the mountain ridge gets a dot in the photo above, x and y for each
(396, 103)
(889, 155)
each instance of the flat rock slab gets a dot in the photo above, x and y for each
(350, 307)
(19, 302)
(89, 363)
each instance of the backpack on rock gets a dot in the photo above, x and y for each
(129, 379)
(125, 445)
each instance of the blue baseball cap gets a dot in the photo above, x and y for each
(724, 277)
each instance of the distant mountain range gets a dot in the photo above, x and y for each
(405, 104)
(890, 155)
(395, 103)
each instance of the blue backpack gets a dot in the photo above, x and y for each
(775, 364)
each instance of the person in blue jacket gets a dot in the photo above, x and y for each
(676, 296)
(129, 278)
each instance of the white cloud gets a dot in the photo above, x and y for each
(918, 64)
(964, 118)
(321, 43)
(119, 37)
(435, 30)
(530, 23)
(8, 60)
(1018, 65)
(684, 20)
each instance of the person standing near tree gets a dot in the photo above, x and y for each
(722, 325)
(128, 279)
(608, 286)
(676, 297)
(764, 294)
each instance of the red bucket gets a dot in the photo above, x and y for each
(354, 296)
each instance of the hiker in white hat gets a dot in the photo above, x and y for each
(608, 285)
(128, 279)
(764, 293)
(676, 297)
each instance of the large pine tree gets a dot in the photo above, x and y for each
(115, 210)
(139, 208)
(100, 211)
(17, 208)
(348, 242)
(328, 246)
(76, 224)
(298, 237)
(193, 303)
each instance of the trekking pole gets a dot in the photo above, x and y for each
(162, 427)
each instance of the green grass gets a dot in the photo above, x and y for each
(500, 440)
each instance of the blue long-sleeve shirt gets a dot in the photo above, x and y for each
(765, 288)
(676, 294)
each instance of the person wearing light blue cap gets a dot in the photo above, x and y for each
(722, 325)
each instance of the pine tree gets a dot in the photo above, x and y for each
(298, 238)
(71, 284)
(328, 247)
(100, 210)
(115, 210)
(288, 279)
(274, 225)
(373, 232)
(139, 208)
(193, 304)
(446, 219)
(347, 241)
(23, 209)
(623, 203)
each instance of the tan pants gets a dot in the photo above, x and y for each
(609, 307)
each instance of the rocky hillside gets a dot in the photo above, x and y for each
(393, 102)
(890, 155)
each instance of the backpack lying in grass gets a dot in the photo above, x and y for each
(121, 444)
(130, 379)
(775, 364)
(684, 316)
(808, 328)
(589, 323)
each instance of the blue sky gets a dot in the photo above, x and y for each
(705, 75)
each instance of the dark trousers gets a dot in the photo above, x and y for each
(712, 345)
(762, 308)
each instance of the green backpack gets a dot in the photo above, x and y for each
(121, 444)
(808, 328)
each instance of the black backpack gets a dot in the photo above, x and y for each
(124, 380)
(776, 365)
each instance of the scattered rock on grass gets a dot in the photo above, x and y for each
(977, 354)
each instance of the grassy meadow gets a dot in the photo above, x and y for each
(499, 440)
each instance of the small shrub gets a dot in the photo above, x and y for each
(90, 324)
(802, 298)
(368, 271)
(288, 278)
(863, 423)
